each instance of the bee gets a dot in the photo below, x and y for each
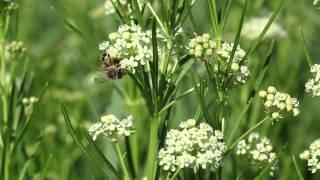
(111, 67)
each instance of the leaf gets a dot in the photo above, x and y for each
(304, 44)
(45, 168)
(265, 30)
(64, 21)
(296, 166)
(89, 155)
(236, 42)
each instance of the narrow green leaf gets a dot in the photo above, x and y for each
(22, 173)
(236, 41)
(296, 166)
(265, 30)
(77, 140)
(45, 168)
(73, 28)
(304, 44)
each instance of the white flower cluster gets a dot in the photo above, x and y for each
(312, 155)
(111, 127)
(253, 27)
(130, 45)
(277, 103)
(313, 84)
(202, 47)
(192, 147)
(258, 150)
(16, 47)
(28, 103)
(316, 3)
(240, 72)
(124, 5)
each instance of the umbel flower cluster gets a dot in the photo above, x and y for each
(258, 150)
(239, 70)
(129, 47)
(192, 147)
(312, 155)
(16, 47)
(277, 104)
(203, 48)
(313, 84)
(112, 127)
(254, 26)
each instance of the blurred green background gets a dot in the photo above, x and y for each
(69, 64)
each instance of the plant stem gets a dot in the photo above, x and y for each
(175, 174)
(153, 146)
(123, 166)
(248, 132)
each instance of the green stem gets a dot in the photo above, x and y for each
(123, 166)
(247, 133)
(152, 149)
(175, 174)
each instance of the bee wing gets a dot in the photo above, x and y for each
(100, 78)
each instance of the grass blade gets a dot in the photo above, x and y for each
(73, 28)
(296, 166)
(304, 44)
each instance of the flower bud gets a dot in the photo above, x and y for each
(296, 111)
(234, 67)
(275, 115)
(268, 104)
(270, 97)
(272, 90)
(263, 94)
(113, 36)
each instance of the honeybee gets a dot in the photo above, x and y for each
(111, 67)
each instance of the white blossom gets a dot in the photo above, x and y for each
(258, 150)
(192, 147)
(111, 127)
(130, 45)
(313, 84)
(253, 27)
(239, 69)
(312, 155)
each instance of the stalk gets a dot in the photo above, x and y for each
(248, 132)
(4, 22)
(153, 148)
(122, 164)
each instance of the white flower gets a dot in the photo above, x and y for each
(239, 68)
(111, 127)
(313, 84)
(312, 155)
(253, 27)
(278, 103)
(103, 46)
(130, 45)
(258, 150)
(192, 147)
